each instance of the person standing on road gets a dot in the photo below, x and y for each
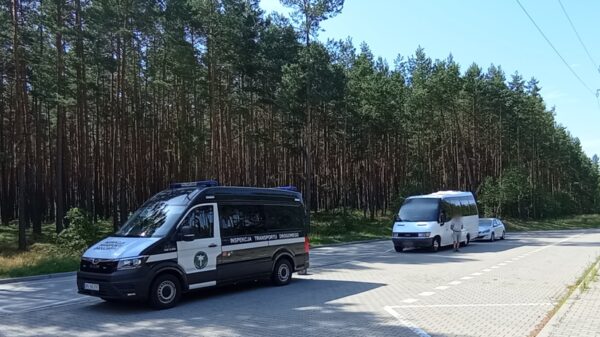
(456, 226)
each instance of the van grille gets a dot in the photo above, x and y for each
(101, 266)
(406, 235)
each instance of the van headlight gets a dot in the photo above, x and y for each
(424, 235)
(131, 263)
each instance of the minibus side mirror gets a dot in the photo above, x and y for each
(186, 233)
(443, 219)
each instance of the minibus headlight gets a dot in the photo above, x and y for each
(131, 263)
(424, 235)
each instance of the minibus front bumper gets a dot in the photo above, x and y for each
(413, 242)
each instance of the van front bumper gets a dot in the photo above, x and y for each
(121, 284)
(413, 242)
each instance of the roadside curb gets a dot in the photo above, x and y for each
(565, 307)
(348, 243)
(37, 277)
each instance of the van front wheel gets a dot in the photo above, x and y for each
(165, 292)
(282, 273)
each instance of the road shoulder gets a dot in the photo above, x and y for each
(579, 315)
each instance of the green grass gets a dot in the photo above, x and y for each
(586, 221)
(43, 255)
(338, 227)
(582, 283)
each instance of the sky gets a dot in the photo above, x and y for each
(490, 32)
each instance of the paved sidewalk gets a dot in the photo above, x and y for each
(579, 316)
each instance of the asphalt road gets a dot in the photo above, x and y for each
(504, 288)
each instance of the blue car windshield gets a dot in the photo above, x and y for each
(420, 209)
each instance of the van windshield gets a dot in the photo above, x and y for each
(419, 209)
(151, 220)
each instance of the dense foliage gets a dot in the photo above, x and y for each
(104, 102)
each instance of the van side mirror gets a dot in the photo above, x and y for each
(186, 233)
(443, 219)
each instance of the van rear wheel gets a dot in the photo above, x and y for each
(282, 273)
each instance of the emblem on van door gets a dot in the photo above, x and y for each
(200, 260)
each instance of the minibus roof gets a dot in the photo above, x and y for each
(443, 194)
(238, 194)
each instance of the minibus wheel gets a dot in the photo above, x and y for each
(435, 244)
(165, 291)
(282, 273)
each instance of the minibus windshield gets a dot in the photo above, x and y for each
(419, 209)
(151, 220)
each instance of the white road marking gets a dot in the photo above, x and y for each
(455, 283)
(442, 287)
(418, 331)
(473, 305)
(495, 267)
(466, 278)
(427, 293)
(476, 274)
(502, 264)
(410, 300)
(486, 270)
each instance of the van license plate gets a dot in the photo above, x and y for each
(91, 286)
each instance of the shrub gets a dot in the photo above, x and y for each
(81, 233)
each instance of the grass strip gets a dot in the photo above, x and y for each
(589, 273)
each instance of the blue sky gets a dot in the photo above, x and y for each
(486, 32)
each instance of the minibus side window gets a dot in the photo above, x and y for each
(201, 219)
(282, 218)
(237, 220)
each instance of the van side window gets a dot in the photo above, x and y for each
(281, 218)
(239, 220)
(201, 219)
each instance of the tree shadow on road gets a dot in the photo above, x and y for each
(303, 308)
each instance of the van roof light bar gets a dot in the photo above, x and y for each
(202, 183)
